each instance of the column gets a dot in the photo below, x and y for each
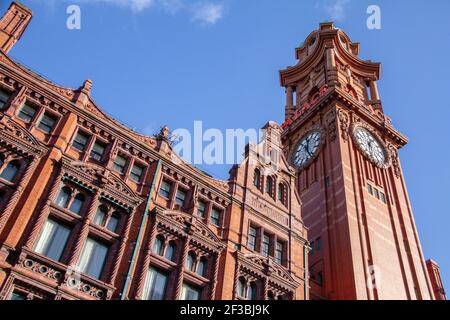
(214, 276)
(18, 192)
(289, 112)
(179, 283)
(374, 95)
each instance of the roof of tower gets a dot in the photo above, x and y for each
(312, 52)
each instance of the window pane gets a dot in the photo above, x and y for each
(80, 141)
(279, 253)
(63, 198)
(119, 164)
(201, 269)
(190, 262)
(99, 218)
(27, 112)
(97, 151)
(52, 240)
(251, 295)
(10, 172)
(158, 246)
(112, 223)
(18, 296)
(266, 245)
(190, 293)
(136, 173)
(165, 189)
(4, 97)
(180, 197)
(93, 258)
(170, 252)
(242, 288)
(47, 122)
(77, 204)
(252, 238)
(155, 285)
(215, 217)
(201, 209)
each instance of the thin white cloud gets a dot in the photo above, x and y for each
(204, 12)
(207, 13)
(336, 9)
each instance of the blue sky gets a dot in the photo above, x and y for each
(171, 62)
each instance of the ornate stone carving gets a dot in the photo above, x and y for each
(330, 120)
(344, 124)
(395, 160)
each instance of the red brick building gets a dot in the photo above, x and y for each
(90, 209)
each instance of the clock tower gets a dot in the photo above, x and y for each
(364, 242)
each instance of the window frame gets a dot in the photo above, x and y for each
(75, 143)
(29, 105)
(50, 115)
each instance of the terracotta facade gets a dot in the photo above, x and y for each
(66, 165)
(91, 209)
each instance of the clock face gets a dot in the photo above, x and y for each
(370, 145)
(307, 148)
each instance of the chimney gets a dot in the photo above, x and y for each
(13, 24)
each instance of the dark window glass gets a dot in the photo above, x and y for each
(155, 286)
(311, 251)
(80, 141)
(165, 189)
(10, 172)
(382, 197)
(318, 244)
(98, 150)
(180, 197)
(215, 217)
(170, 251)
(377, 194)
(242, 288)
(190, 262)
(281, 192)
(100, 216)
(269, 186)
(136, 172)
(77, 203)
(63, 198)
(279, 252)
(257, 179)
(252, 238)
(53, 239)
(201, 209)
(2, 196)
(27, 112)
(270, 296)
(265, 245)
(4, 97)
(252, 290)
(158, 245)
(113, 222)
(190, 293)
(47, 122)
(370, 189)
(119, 164)
(320, 278)
(201, 268)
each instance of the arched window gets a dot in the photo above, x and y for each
(190, 262)
(257, 179)
(270, 296)
(251, 292)
(77, 203)
(201, 268)
(100, 215)
(269, 186)
(242, 288)
(282, 194)
(113, 222)
(63, 197)
(11, 170)
(170, 251)
(158, 246)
